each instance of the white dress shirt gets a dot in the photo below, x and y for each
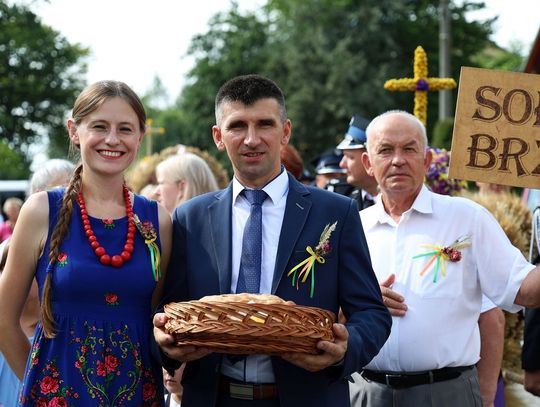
(258, 368)
(440, 328)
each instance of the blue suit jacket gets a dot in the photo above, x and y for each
(201, 265)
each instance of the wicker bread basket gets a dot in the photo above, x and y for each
(248, 324)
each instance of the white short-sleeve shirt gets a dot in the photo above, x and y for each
(440, 328)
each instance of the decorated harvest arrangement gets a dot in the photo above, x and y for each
(249, 324)
(420, 84)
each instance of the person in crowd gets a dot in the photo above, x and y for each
(491, 325)
(327, 169)
(530, 358)
(210, 256)
(292, 161)
(492, 330)
(52, 173)
(306, 178)
(9, 383)
(12, 207)
(430, 255)
(173, 385)
(492, 319)
(98, 253)
(181, 177)
(353, 146)
(149, 192)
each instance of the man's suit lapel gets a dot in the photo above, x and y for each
(220, 213)
(296, 213)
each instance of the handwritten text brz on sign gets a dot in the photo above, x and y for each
(497, 128)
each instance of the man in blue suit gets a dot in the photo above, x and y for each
(208, 259)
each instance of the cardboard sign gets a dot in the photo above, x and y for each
(497, 128)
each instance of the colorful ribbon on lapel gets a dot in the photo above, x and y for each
(309, 268)
(315, 255)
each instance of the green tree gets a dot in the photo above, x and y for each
(40, 75)
(330, 57)
(235, 44)
(157, 96)
(338, 54)
(442, 133)
(494, 57)
(13, 164)
(175, 124)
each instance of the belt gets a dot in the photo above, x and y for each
(403, 380)
(247, 391)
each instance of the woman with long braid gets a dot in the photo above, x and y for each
(97, 252)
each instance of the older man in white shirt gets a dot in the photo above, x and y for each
(434, 256)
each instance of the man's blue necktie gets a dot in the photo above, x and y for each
(249, 277)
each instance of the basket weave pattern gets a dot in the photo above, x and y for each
(244, 328)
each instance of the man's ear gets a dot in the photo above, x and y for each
(428, 157)
(72, 132)
(218, 139)
(367, 163)
(287, 129)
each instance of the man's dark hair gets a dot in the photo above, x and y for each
(248, 89)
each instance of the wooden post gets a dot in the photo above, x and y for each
(150, 131)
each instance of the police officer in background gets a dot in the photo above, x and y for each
(329, 175)
(353, 146)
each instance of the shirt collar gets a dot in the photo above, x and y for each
(275, 189)
(421, 204)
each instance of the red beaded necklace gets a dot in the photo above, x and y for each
(118, 259)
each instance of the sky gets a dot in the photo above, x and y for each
(136, 40)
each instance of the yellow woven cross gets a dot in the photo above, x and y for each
(420, 84)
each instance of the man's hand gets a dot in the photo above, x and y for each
(167, 343)
(532, 381)
(333, 352)
(393, 301)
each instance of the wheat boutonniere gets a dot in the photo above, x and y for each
(306, 268)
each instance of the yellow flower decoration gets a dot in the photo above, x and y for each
(420, 84)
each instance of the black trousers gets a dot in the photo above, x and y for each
(224, 400)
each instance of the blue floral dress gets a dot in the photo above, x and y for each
(102, 352)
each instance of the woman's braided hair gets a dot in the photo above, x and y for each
(88, 101)
(58, 234)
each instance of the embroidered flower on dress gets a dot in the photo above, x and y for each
(111, 299)
(50, 390)
(108, 223)
(62, 259)
(149, 391)
(58, 402)
(111, 362)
